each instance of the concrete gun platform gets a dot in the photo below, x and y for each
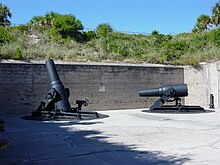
(126, 137)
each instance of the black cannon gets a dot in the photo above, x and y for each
(169, 93)
(56, 102)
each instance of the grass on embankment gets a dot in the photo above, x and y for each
(24, 43)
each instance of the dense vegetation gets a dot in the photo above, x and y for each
(62, 37)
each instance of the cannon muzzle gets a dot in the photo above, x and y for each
(178, 90)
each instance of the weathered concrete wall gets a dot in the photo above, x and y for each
(202, 82)
(22, 86)
(16, 88)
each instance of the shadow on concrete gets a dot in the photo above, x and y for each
(38, 142)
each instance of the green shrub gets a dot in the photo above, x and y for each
(66, 26)
(174, 50)
(21, 28)
(62, 42)
(5, 36)
(199, 41)
(158, 39)
(18, 54)
(215, 36)
(191, 60)
(88, 36)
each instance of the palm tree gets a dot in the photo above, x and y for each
(203, 21)
(37, 20)
(46, 20)
(216, 14)
(5, 15)
(103, 29)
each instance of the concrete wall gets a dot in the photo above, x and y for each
(22, 86)
(203, 81)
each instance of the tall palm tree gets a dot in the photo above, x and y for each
(5, 15)
(216, 14)
(103, 29)
(203, 21)
(37, 20)
(46, 20)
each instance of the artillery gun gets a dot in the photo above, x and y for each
(169, 93)
(56, 102)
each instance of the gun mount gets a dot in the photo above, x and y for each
(56, 102)
(169, 93)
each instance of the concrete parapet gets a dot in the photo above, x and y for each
(107, 86)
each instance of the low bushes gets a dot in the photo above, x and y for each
(39, 42)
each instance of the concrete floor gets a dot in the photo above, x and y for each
(126, 137)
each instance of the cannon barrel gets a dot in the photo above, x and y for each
(55, 83)
(180, 91)
(51, 70)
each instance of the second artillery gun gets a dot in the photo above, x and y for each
(169, 93)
